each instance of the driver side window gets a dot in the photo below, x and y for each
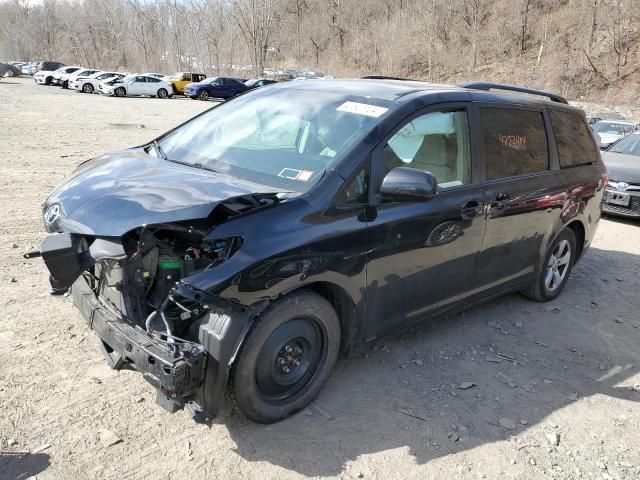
(437, 142)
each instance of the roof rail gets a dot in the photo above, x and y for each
(384, 77)
(511, 88)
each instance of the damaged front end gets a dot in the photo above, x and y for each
(134, 293)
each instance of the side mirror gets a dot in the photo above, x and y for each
(404, 184)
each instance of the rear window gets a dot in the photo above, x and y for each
(515, 142)
(573, 138)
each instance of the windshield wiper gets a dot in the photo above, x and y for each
(158, 148)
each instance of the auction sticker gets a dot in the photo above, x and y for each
(362, 109)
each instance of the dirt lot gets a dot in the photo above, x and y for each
(556, 387)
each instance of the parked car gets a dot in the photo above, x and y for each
(179, 80)
(61, 75)
(215, 87)
(610, 131)
(247, 247)
(43, 74)
(45, 77)
(137, 85)
(66, 79)
(28, 68)
(8, 70)
(622, 195)
(90, 83)
(259, 82)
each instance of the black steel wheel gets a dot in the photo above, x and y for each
(554, 269)
(287, 357)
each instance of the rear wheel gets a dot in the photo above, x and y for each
(204, 95)
(553, 273)
(162, 93)
(120, 92)
(287, 357)
(87, 88)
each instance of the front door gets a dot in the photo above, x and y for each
(422, 254)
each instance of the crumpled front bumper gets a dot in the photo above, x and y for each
(176, 370)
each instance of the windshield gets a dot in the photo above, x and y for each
(613, 128)
(629, 145)
(285, 138)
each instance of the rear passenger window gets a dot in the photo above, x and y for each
(573, 138)
(515, 142)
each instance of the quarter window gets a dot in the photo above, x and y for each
(437, 142)
(515, 142)
(573, 138)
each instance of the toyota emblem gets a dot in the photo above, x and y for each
(53, 214)
(622, 186)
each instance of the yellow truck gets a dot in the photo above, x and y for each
(180, 79)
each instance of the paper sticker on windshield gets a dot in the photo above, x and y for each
(295, 174)
(362, 109)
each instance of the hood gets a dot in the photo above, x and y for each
(607, 138)
(622, 167)
(115, 193)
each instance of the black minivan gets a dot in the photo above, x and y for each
(242, 251)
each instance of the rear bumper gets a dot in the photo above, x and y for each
(176, 370)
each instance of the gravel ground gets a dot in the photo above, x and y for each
(509, 390)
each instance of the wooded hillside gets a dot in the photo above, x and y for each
(581, 48)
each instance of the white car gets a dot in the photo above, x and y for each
(137, 84)
(66, 71)
(45, 77)
(610, 131)
(90, 83)
(66, 79)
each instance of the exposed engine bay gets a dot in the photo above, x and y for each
(134, 292)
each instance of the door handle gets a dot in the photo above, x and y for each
(472, 209)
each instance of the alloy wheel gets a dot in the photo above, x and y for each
(557, 266)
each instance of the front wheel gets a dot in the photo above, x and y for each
(287, 357)
(204, 95)
(9, 73)
(552, 274)
(162, 93)
(120, 92)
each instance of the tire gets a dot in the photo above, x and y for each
(9, 73)
(65, 84)
(120, 92)
(204, 95)
(554, 270)
(162, 93)
(87, 88)
(286, 358)
(47, 81)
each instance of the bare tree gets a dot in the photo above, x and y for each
(256, 19)
(475, 15)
